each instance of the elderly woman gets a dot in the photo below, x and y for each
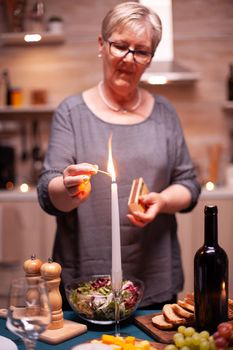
(147, 141)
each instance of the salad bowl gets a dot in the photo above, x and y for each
(93, 299)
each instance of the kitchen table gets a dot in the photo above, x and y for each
(94, 331)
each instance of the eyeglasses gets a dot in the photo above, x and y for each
(122, 50)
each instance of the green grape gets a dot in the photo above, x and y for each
(204, 345)
(186, 338)
(196, 338)
(170, 347)
(179, 343)
(181, 329)
(212, 343)
(178, 336)
(204, 335)
(189, 331)
(188, 341)
(179, 340)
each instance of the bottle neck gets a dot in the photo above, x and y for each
(231, 70)
(211, 228)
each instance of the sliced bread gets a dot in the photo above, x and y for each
(171, 316)
(160, 322)
(186, 305)
(189, 298)
(230, 309)
(181, 312)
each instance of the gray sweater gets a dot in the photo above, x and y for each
(154, 149)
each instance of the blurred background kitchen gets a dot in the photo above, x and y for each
(193, 68)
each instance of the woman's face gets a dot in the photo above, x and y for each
(122, 74)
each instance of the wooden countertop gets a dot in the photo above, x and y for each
(16, 195)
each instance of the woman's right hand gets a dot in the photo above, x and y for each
(76, 180)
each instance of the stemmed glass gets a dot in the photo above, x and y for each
(117, 301)
(29, 311)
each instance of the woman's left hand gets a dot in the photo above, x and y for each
(154, 203)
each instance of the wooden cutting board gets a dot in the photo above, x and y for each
(70, 330)
(163, 336)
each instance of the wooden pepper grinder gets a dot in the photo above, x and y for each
(32, 267)
(51, 272)
(32, 273)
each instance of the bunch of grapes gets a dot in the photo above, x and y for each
(187, 338)
(223, 338)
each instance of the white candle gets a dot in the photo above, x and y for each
(116, 237)
(116, 240)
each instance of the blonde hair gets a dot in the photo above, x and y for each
(133, 15)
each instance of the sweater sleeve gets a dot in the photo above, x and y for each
(59, 155)
(183, 171)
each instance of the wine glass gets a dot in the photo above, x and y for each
(29, 311)
(117, 301)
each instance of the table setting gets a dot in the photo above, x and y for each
(116, 299)
(106, 312)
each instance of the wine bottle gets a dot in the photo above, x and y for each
(230, 83)
(6, 78)
(210, 277)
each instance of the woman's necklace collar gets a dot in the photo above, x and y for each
(118, 109)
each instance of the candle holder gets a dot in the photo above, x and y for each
(117, 302)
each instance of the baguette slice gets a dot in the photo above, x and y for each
(160, 322)
(181, 312)
(186, 305)
(171, 317)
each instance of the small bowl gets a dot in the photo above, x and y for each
(93, 299)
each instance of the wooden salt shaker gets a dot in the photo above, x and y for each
(32, 273)
(51, 272)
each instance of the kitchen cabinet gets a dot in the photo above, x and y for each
(191, 232)
(22, 112)
(24, 230)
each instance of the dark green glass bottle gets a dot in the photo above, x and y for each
(210, 277)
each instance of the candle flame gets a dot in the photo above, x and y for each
(110, 168)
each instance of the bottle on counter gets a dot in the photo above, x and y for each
(210, 277)
(13, 95)
(6, 79)
(230, 83)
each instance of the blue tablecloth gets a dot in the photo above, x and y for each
(94, 331)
